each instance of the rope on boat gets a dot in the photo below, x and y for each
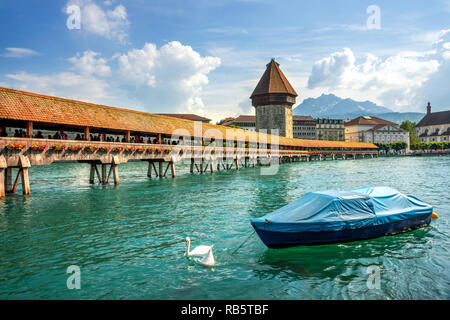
(243, 243)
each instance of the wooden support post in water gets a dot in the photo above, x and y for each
(211, 164)
(24, 165)
(92, 174)
(2, 176)
(236, 163)
(98, 173)
(172, 168)
(2, 183)
(191, 170)
(116, 174)
(16, 182)
(8, 180)
(167, 168)
(160, 174)
(115, 170)
(154, 168)
(149, 170)
(104, 173)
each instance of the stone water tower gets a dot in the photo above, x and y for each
(273, 98)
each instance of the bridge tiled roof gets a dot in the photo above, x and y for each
(26, 106)
(187, 116)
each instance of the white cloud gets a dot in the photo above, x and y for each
(88, 64)
(333, 69)
(166, 79)
(64, 84)
(109, 23)
(18, 53)
(173, 75)
(393, 81)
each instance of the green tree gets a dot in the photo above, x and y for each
(409, 126)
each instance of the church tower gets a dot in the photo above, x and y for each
(273, 98)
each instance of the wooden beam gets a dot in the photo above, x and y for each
(8, 180)
(172, 168)
(159, 138)
(16, 182)
(86, 134)
(104, 173)
(154, 167)
(98, 173)
(2, 183)
(3, 172)
(160, 174)
(25, 181)
(29, 129)
(24, 165)
(116, 174)
(127, 136)
(109, 173)
(167, 168)
(92, 174)
(149, 170)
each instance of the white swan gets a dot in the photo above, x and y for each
(208, 259)
(199, 251)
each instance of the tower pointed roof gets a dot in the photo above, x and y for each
(273, 81)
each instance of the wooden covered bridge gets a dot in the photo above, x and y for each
(123, 135)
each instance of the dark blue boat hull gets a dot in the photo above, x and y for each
(276, 239)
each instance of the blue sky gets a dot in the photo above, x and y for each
(206, 57)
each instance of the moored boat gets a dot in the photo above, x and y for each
(342, 216)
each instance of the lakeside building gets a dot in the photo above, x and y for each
(243, 121)
(186, 116)
(330, 129)
(375, 130)
(434, 126)
(304, 127)
(273, 98)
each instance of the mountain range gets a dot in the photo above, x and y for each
(331, 106)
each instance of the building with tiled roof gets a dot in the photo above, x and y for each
(434, 126)
(273, 98)
(304, 127)
(375, 130)
(186, 116)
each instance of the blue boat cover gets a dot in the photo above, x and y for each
(338, 210)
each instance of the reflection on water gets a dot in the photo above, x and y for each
(129, 240)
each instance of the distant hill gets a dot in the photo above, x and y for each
(331, 106)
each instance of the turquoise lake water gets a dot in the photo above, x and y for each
(129, 241)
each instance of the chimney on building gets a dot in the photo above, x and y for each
(428, 108)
